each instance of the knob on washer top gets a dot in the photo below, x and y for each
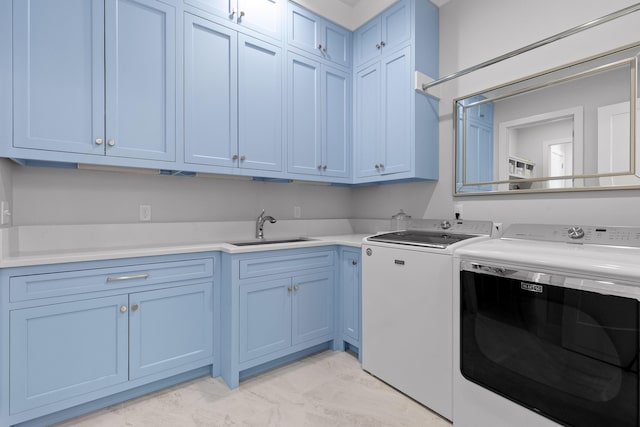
(445, 224)
(575, 232)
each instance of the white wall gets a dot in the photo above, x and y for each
(473, 31)
(44, 196)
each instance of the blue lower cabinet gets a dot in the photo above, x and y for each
(84, 333)
(265, 318)
(60, 351)
(282, 307)
(169, 328)
(350, 297)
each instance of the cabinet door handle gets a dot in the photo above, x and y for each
(377, 166)
(121, 278)
(123, 309)
(290, 288)
(235, 157)
(241, 14)
(111, 142)
(296, 287)
(354, 262)
(233, 13)
(243, 158)
(99, 141)
(324, 167)
(381, 166)
(383, 44)
(134, 307)
(378, 46)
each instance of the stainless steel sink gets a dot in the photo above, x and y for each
(271, 242)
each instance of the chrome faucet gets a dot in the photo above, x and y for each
(260, 224)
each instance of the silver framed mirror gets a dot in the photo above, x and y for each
(572, 128)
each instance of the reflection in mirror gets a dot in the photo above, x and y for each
(572, 128)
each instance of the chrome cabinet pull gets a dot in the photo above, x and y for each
(354, 262)
(324, 167)
(235, 157)
(377, 166)
(383, 44)
(123, 309)
(381, 166)
(121, 278)
(134, 307)
(233, 13)
(111, 142)
(243, 158)
(378, 46)
(296, 287)
(241, 14)
(99, 141)
(289, 288)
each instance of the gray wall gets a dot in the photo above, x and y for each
(59, 196)
(473, 31)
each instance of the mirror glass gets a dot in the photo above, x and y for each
(570, 128)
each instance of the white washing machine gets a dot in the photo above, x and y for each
(546, 328)
(406, 307)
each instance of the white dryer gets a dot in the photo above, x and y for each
(406, 307)
(546, 328)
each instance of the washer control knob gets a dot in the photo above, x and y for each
(575, 232)
(369, 252)
(445, 224)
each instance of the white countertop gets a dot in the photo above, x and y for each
(52, 256)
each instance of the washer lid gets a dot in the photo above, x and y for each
(431, 239)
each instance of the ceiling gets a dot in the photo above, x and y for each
(351, 13)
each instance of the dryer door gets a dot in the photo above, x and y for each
(568, 354)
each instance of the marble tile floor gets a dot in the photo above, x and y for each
(328, 389)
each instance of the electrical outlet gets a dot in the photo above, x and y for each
(5, 213)
(497, 229)
(457, 210)
(145, 213)
(297, 212)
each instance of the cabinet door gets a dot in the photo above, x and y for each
(337, 44)
(66, 350)
(336, 122)
(396, 116)
(210, 93)
(58, 72)
(265, 318)
(312, 306)
(479, 153)
(304, 29)
(263, 16)
(351, 295)
(396, 26)
(367, 41)
(169, 328)
(141, 79)
(368, 116)
(260, 105)
(304, 113)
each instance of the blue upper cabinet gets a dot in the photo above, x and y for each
(263, 16)
(319, 118)
(385, 33)
(210, 93)
(318, 36)
(94, 78)
(384, 117)
(233, 99)
(260, 104)
(58, 72)
(141, 79)
(396, 128)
